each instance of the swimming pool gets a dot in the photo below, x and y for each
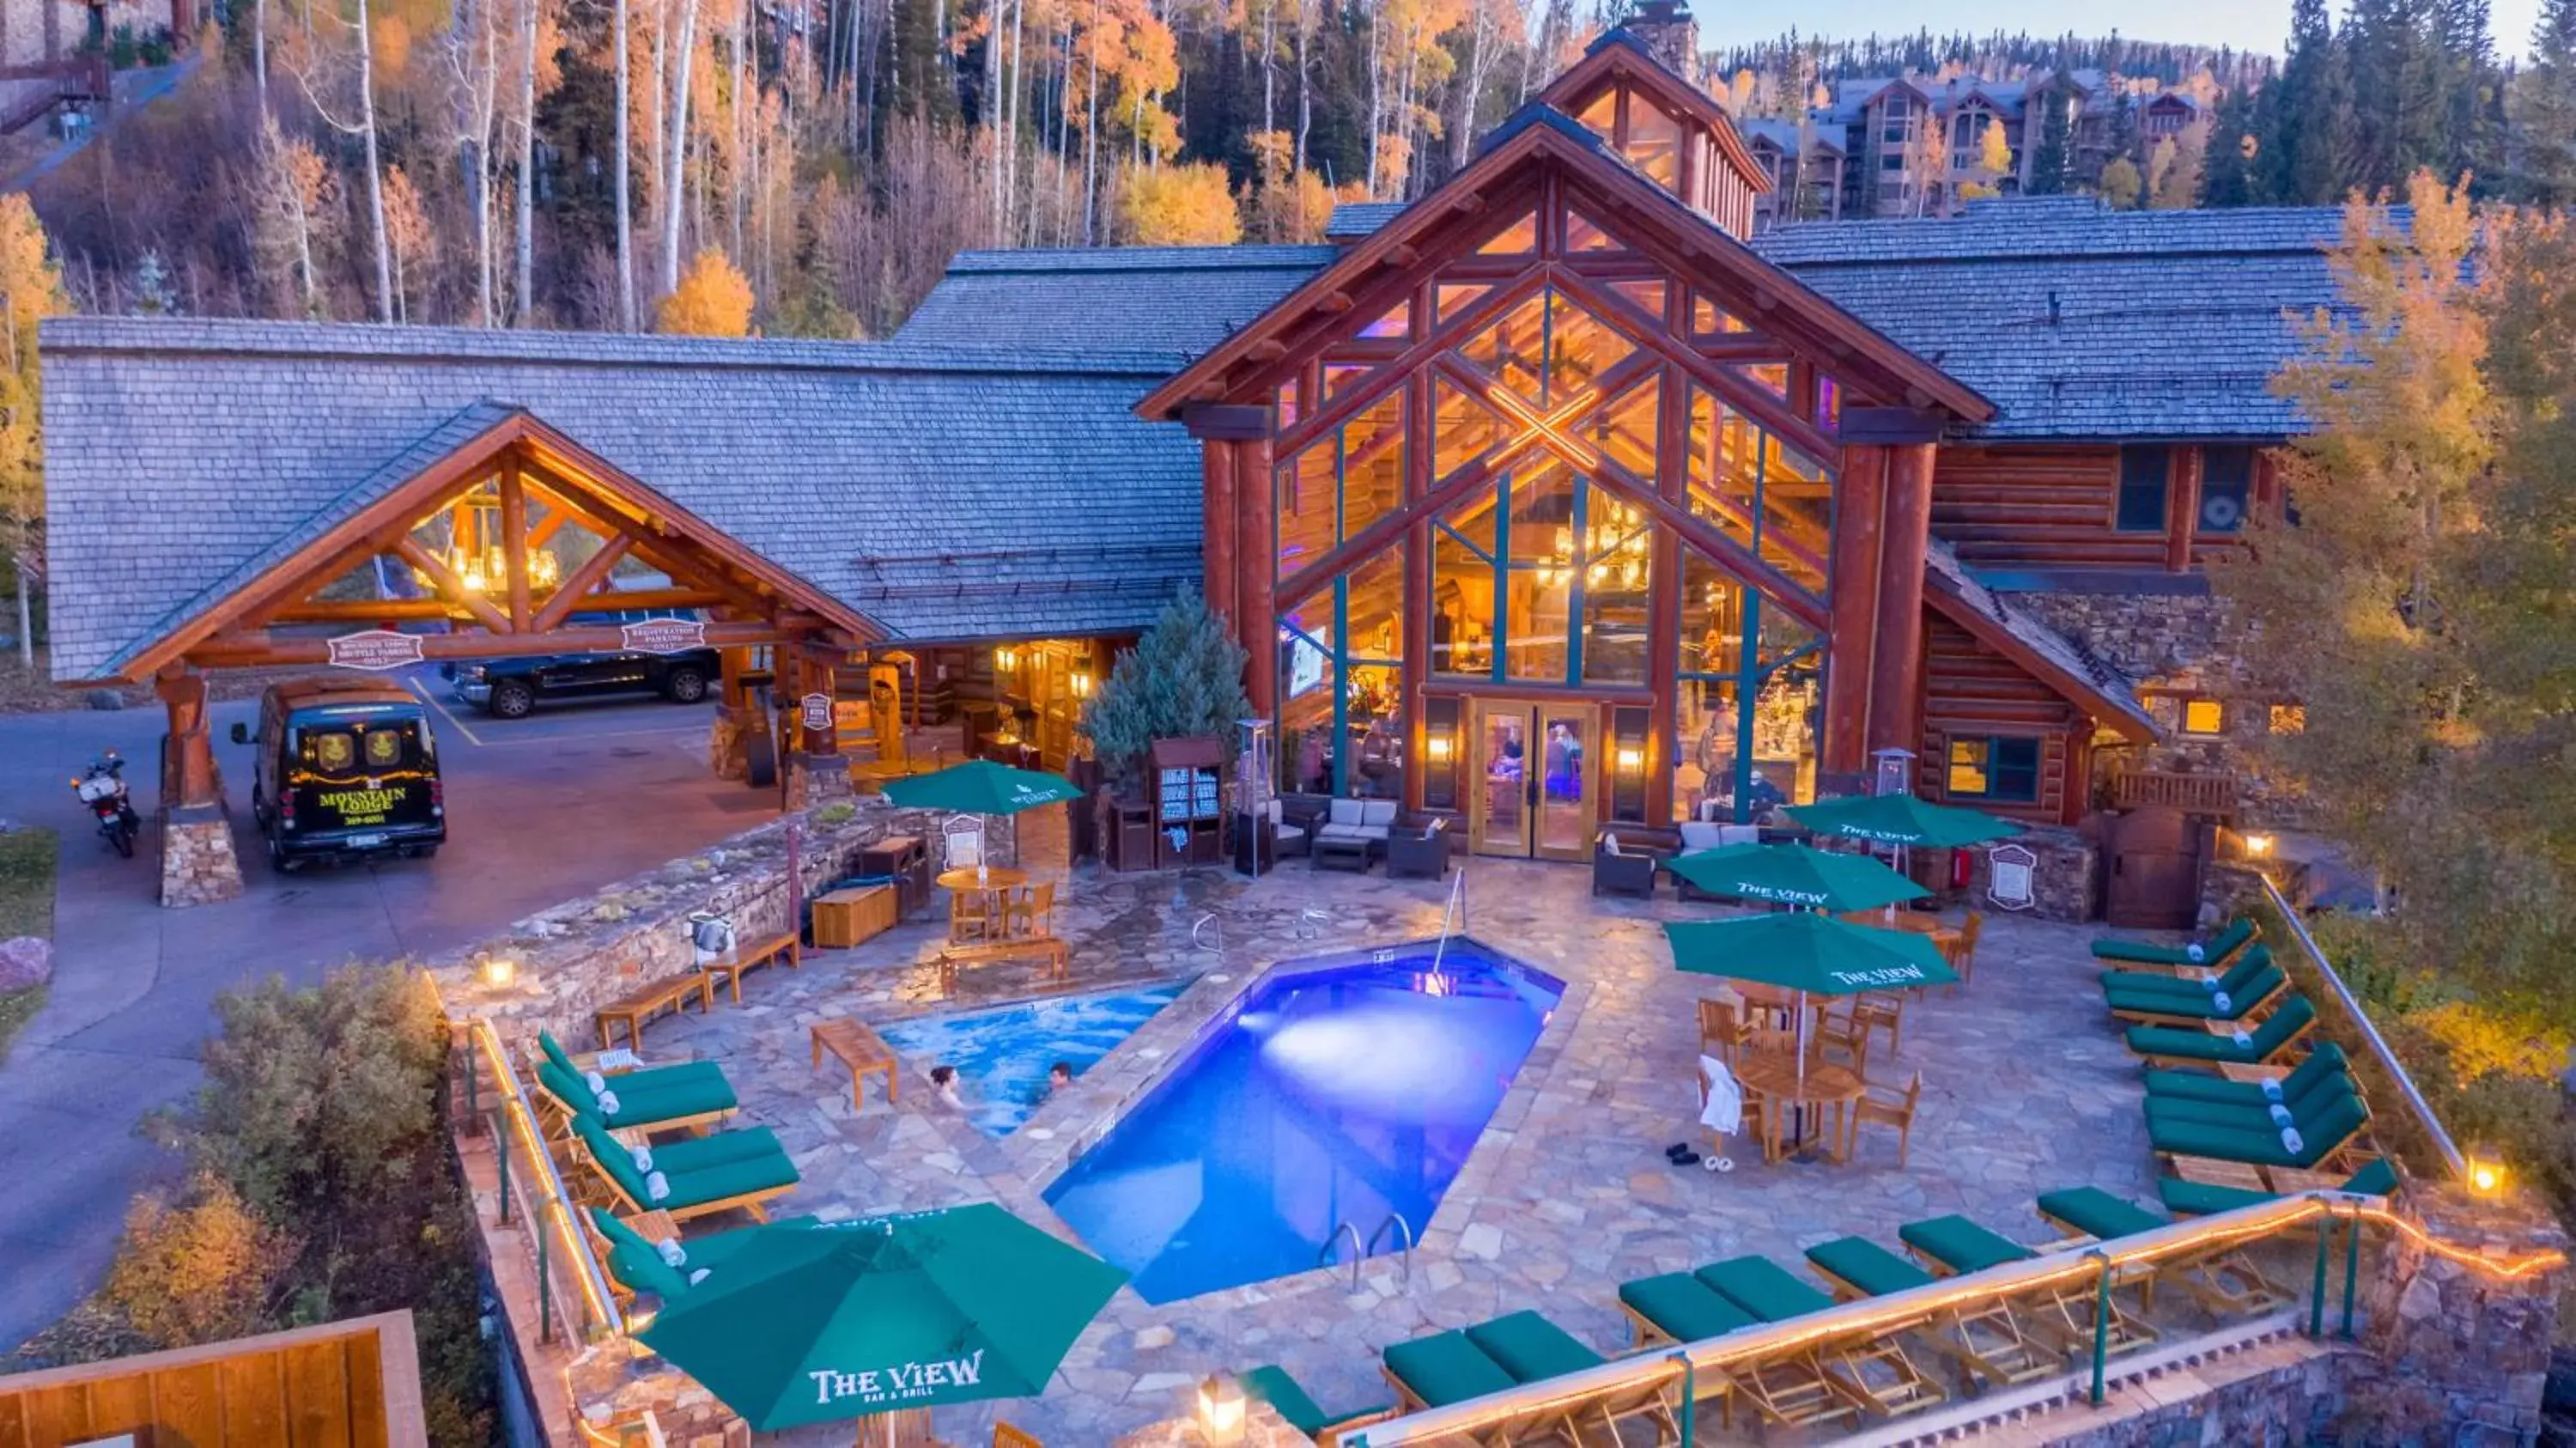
(1002, 1055)
(1342, 1089)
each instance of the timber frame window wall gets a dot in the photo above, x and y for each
(1622, 512)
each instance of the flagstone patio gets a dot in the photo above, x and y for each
(2026, 1088)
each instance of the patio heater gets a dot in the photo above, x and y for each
(1892, 772)
(1256, 761)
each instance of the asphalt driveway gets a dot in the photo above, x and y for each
(538, 810)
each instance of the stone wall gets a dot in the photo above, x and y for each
(2065, 883)
(2174, 642)
(577, 956)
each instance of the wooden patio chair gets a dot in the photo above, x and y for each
(1875, 1010)
(971, 916)
(1842, 1031)
(1757, 1117)
(1963, 951)
(1007, 1436)
(1032, 911)
(1886, 1107)
(1720, 1032)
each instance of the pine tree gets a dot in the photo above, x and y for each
(2320, 167)
(2469, 86)
(1183, 679)
(2049, 163)
(2544, 108)
(2232, 152)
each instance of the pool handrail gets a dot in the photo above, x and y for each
(2379, 1049)
(2069, 1262)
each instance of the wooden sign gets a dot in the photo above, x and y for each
(2008, 877)
(375, 650)
(664, 635)
(818, 712)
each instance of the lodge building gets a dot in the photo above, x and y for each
(1554, 501)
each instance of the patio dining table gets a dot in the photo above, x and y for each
(995, 883)
(1776, 1074)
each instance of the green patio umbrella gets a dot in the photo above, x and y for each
(1902, 819)
(845, 1319)
(1808, 953)
(979, 786)
(1796, 875)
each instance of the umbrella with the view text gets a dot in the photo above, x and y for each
(843, 1319)
(1795, 875)
(1902, 819)
(979, 786)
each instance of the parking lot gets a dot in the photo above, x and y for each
(539, 809)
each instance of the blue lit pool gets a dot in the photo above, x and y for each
(1002, 1055)
(1342, 1089)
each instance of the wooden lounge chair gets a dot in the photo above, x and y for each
(2185, 1198)
(2214, 953)
(1790, 1389)
(1953, 1245)
(1270, 1383)
(1871, 1369)
(2270, 1041)
(1446, 1368)
(2256, 1086)
(2190, 978)
(2246, 1001)
(693, 1102)
(2331, 1135)
(1989, 1342)
(635, 1265)
(700, 1176)
(2224, 1282)
(1533, 1349)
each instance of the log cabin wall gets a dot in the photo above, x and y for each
(2057, 505)
(1972, 692)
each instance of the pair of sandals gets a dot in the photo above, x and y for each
(1680, 1154)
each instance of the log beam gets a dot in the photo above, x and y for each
(450, 585)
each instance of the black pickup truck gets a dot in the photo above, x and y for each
(510, 688)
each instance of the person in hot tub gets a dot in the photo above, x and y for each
(943, 1079)
(1059, 1076)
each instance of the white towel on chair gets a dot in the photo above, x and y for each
(1724, 1113)
(2219, 1002)
(2290, 1141)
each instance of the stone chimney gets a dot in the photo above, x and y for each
(1670, 34)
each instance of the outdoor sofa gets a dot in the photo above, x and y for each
(1353, 830)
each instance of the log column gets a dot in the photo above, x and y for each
(818, 774)
(1217, 491)
(198, 863)
(1853, 592)
(1896, 674)
(1238, 566)
(1256, 565)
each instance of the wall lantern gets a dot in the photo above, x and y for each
(1082, 683)
(499, 972)
(1221, 1410)
(1006, 657)
(1631, 758)
(2485, 1174)
(2258, 847)
(1435, 746)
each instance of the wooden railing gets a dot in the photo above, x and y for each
(2201, 794)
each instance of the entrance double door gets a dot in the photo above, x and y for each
(1533, 784)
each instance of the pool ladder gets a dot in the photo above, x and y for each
(1360, 1250)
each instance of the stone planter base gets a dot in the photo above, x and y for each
(198, 865)
(725, 746)
(817, 779)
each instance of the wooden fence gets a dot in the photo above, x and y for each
(350, 1384)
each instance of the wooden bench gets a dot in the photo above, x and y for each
(861, 1049)
(729, 968)
(669, 993)
(1049, 948)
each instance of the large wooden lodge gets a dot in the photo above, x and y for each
(1552, 501)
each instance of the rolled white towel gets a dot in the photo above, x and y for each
(697, 1277)
(2281, 1115)
(596, 1082)
(2219, 1002)
(2240, 1038)
(2272, 1087)
(2209, 982)
(673, 1254)
(643, 1158)
(657, 1187)
(2290, 1141)
(608, 1105)
(2195, 952)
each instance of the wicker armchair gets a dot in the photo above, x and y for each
(1618, 869)
(1421, 851)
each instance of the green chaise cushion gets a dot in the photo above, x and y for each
(1867, 1266)
(635, 1263)
(722, 1148)
(732, 1179)
(2201, 1004)
(1271, 1384)
(671, 1100)
(2097, 1213)
(1961, 1245)
(555, 1052)
(2234, 980)
(2184, 1043)
(2318, 1136)
(1446, 1368)
(2326, 1062)
(1531, 1348)
(1764, 1288)
(2303, 1109)
(2216, 948)
(1684, 1307)
(2377, 1179)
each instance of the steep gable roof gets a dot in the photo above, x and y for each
(2047, 655)
(938, 494)
(1540, 133)
(1619, 56)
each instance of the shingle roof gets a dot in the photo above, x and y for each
(1354, 219)
(944, 494)
(1177, 301)
(1942, 571)
(2082, 322)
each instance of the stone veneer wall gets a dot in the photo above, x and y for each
(2174, 641)
(2066, 883)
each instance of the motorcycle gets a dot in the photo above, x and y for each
(103, 790)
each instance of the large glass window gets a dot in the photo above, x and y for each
(1338, 485)
(1341, 668)
(1760, 491)
(1744, 718)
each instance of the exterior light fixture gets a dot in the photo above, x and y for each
(473, 578)
(1006, 657)
(2485, 1175)
(1221, 1410)
(1631, 758)
(499, 972)
(2258, 846)
(1435, 746)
